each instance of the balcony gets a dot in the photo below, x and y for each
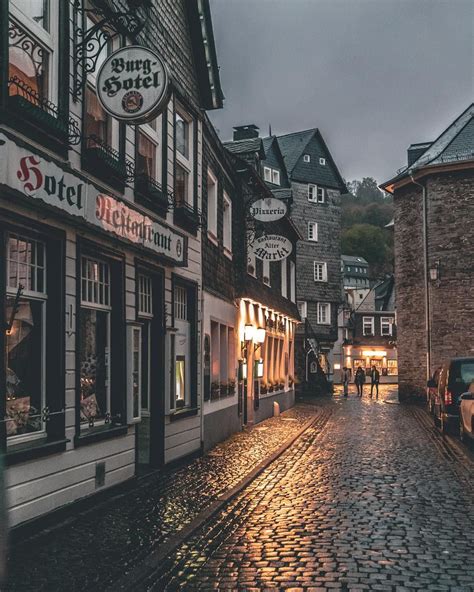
(186, 216)
(105, 163)
(150, 194)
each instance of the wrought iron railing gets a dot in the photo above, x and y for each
(151, 189)
(120, 164)
(188, 212)
(46, 111)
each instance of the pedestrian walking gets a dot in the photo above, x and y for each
(375, 380)
(360, 380)
(345, 380)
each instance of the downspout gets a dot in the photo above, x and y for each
(426, 281)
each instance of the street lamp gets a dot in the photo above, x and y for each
(249, 332)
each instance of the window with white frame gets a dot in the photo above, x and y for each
(322, 161)
(211, 204)
(324, 313)
(284, 278)
(267, 174)
(25, 344)
(386, 325)
(148, 154)
(368, 326)
(292, 281)
(33, 57)
(94, 332)
(184, 154)
(306, 158)
(303, 309)
(275, 177)
(180, 303)
(313, 231)
(227, 224)
(266, 272)
(320, 271)
(321, 193)
(312, 193)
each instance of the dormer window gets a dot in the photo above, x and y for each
(322, 161)
(275, 177)
(306, 158)
(267, 174)
(271, 175)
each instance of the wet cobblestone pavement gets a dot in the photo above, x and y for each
(94, 549)
(371, 502)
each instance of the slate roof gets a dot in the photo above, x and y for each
(248, 146)
(455, 144)
(353, 260)
(292, 146)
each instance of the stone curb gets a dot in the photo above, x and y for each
(146, 567)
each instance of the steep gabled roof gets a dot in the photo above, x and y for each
(455, 144)
(293, 146)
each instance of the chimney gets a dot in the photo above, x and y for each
(416, 150)
(246, 132)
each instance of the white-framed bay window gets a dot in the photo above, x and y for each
(95, 341)
(324, 313)
(25, 339)
(33, 49)
(184, 157)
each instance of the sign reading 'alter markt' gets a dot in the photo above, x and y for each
(132, 84)
(272, 247)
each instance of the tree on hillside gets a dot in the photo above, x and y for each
(377, 214)
(372, 243)
(366, 191)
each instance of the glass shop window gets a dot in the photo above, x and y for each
(94, 341)
(25, 335)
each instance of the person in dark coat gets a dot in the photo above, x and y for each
(359, 380)
(375, 380)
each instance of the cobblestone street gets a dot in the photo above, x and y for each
(369, 503)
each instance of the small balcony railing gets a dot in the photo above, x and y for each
(150, 193)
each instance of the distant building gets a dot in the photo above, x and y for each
(433, 199)
(355, 272)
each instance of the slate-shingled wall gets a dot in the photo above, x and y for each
(450, 241)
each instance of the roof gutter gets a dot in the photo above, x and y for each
(426, 277)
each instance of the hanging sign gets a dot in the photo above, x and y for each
(269, 209)
(272, 247)
(133, 84)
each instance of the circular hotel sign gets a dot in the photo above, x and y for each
(133, 84)
(268, 210)
(272, 247)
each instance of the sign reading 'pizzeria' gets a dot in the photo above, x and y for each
(272, 247)
(268, 209)
(133, 85)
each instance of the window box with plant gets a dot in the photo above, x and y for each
(215, 390)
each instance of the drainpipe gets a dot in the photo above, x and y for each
(426, 280)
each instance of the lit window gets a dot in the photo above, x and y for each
(320, 272)
(306, 158)
(180, 381)
(313, 231)
(368, 325)
(322, 161)
(25, 344)
(324, 313)
(227, 224)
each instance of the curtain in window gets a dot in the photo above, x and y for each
(96, 120)
(146, 156)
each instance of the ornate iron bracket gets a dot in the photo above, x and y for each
(89, 43)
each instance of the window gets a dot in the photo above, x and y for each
(386, 325)
(180, 303)
(303, 309)
(324, 313)
(266, 272)
(145, 163)
(25, 336)
(145, 304)
(227, 223)
(320, 272)
(368, 325)
(184, 158)
(32, 59)
(312, 195)
(267, 174)
(284, 278)
(97, 124)
(306, 158)
(321, 195)
(211, 204)
(180, 381)
(94, 341)
(292, 281)
(135, 365)
(392, 367)
(275, 177)
(322, 161)
(313, 231)
(223, 369)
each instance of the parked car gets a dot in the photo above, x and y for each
(466, 415)
(454, 380)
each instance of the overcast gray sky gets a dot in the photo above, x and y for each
(372, 75)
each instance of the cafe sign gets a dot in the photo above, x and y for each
(269, 209)
(133, 84)
(272, 247)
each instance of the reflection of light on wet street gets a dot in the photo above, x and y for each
(388, 393)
